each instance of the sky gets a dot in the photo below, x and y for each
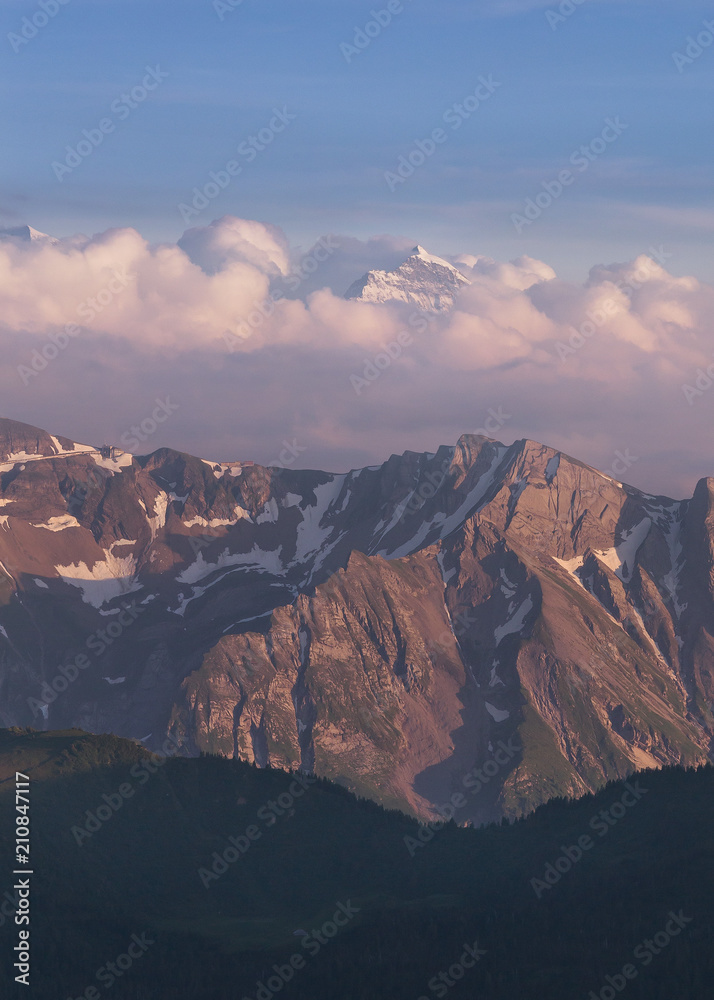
(189, 154)
(559, 76)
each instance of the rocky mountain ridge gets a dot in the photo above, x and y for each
(501, 623)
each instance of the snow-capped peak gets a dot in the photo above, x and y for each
(26, 234)
(429, 258)
(428, 282)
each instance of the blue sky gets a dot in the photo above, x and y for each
(558, 83)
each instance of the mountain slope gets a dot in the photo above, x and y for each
(408, 899)
(512, 622)
(392, 627)
(422, 280)
(26, 234)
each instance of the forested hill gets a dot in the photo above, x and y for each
(320, 895)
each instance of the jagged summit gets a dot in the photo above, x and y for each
(423, 280)
(390, 624)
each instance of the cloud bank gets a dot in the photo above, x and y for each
(255, 346)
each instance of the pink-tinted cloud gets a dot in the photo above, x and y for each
(592, 368)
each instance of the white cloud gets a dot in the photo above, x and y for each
(290, 379)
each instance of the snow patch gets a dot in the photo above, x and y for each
(219, 469)
(257, 559)
(551, 469)
(59, 523)
(571, 566)
(516, 491)
(508, 589)
(495, 679)
(239, 514)
(123, 461)
(449, 524)
(107, 579)
(621, 558)
(497, 714)
(158, 520)
(269, 512)
(673, 537)
(185, 601)
(515, 623)
(311, 535)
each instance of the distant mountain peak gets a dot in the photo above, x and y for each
(27, 234)
(424, 280)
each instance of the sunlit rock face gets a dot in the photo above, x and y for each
(497, 623)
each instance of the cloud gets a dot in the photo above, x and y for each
(349, 259)
(591, 368)
(230, 240)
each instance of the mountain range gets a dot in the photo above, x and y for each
(501, 621)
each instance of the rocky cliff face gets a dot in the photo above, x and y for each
(487, 626)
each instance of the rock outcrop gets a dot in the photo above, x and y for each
(487, 625)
